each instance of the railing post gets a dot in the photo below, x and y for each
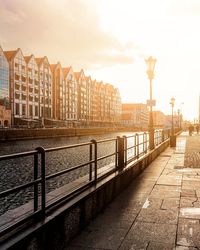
(41, 151)
(120, 141)
(95, 159)
(116, 154)
(137, 140)
(145, 134)
(35, 185)
(125, 149)
(135, 149)
(90, 173)
(163, 136)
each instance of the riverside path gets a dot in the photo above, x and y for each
(159, 210)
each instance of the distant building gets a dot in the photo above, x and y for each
(5, 112)
(46, 88)
(32, 90)
(70, 98)
(135, 114)
(42, 94)
(158, 119)
(18, 86)
(83, 98)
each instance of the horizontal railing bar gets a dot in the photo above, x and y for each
(17, 155)
(68, 170)
(18, 188)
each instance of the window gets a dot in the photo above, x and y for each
(23, 109)
(30, 110)
(17, 108)
(36, 110)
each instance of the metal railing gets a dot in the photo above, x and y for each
(124, 150)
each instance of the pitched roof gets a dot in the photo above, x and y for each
(10, 54)
(27, 58)
(39, 59)
(52, 66)
(65, 71)
(77, 75)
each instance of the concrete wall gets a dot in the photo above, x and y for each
(14, 134)
(55, 231)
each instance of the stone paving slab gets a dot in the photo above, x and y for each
(159, 210)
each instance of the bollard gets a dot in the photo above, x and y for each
(120, 143)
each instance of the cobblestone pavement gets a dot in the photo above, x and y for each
(158, 210)
(192, 154)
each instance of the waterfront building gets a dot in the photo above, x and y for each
(18, 86)
(116, 106)
(58, 92)
(45, 91)
(5, 112)
(135, 114)
(43, 94)
(32, 90)
(82, 97)
(70, 97)
(94, 115)
(89, 97)
(158, 119)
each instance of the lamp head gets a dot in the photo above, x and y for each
(172, 101)
(150, 62)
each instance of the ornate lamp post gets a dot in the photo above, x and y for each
(173, 137)
(150, 72)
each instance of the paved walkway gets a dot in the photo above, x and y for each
(158, 210)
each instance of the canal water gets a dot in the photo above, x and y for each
(9, 147)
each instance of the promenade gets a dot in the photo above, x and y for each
(159, 210)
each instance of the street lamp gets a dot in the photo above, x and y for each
(172, 138)
(150, 62)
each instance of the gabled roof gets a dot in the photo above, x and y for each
(65, 71)
(77, 75)
(10, 54)
(27, 58)
(39, 60)
(52, 66)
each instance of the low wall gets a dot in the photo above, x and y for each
(17, 134)
(55, 231)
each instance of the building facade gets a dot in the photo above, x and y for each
(18, 86)
(42, 94)
(135, 114)
(5, 112)
(158, 119)
(45, 91)
(71, 96)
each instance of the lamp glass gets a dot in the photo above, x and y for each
(150, 64)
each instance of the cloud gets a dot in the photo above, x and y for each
(66, 31)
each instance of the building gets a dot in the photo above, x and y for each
(32, 90)
(58, 92)
(18, 86)
(41, 94)
(45, 91)
(83, 98)
(70, 97)
(5, 112)
(158, 119)
(135, 114)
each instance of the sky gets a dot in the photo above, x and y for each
(110, 40)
